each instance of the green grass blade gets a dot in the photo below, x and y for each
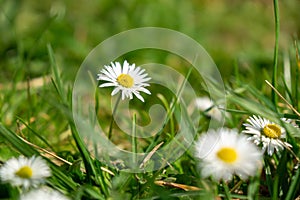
(291, 194)
(253, 107)
(62, 179)
(275, 60)
(253, 188)
(297, 76)
(56, 79)
(16, 142)
(226, 190)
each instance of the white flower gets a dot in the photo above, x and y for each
(44, 193)
(127, 78)
(266, 133)
(225, 153)
(25, 172)
(206, 105)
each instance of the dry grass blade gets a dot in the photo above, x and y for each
(150, 154)
(289, 105)
(58, 160)
(177, 185)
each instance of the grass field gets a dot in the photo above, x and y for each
(96, 146)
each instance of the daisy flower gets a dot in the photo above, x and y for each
(266, 133)
(205, 104)
(224, 153)
(25, 172)
(44, 193)
(127, 79)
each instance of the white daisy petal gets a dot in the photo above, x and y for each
(130, 95)
(123, 95)
(125, 67)
(270, 149)
(107, 84)
(115, 91)
(292, 122)
(145, 79)
(127, 79)
(145, 90)
(109, 73)
(287, 144)
(143, 75)
(105, 78)
(117, 68)
(139, 96)
(131, 68)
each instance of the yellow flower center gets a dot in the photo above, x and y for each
(24, 172)
(272, 131)
(227, 154)
(125, 80)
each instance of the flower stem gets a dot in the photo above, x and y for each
(133, 140)
(112, 117)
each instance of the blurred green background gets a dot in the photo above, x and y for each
(231, 31)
